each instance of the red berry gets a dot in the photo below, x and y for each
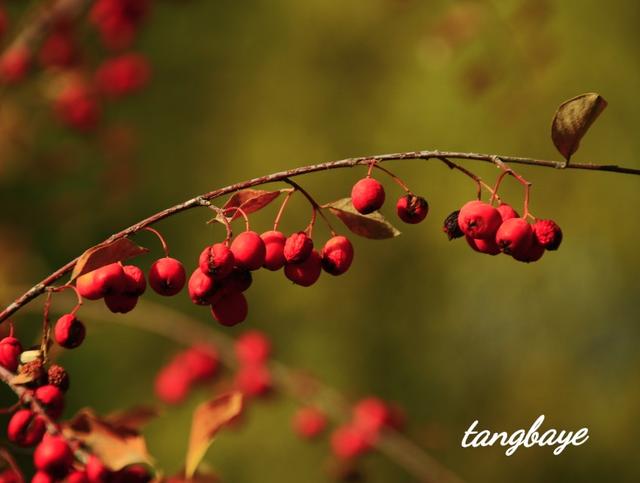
(10, 350)
(367, 195)
(120, 303)
(348, 442)
(52, 400)
(489, 247)
(479, 220)
(3, 21)
(514, 237)
(201, 287)
(217, 261)
(307, 272)
(58, 376)
(451, 227)
(77, 106)
(371, 414)
(107, 280)
(253, 380)
(548, 234)
(25, 428)
(297, 247)
(337, 255)
(248, 250)
(135, 283)
(309, 422)
(77, 477)
(53, 456)
(58, 49)
(14, 65)
(132, 474)
(201, 362)
(69, 332)
(274, 249)
(9, 475)
(230, 309)
(167, 276)
(172, 384)
(507, 212)
(240, 280)
(252, 347)
(122, 75)
(412, 209)
(96, 471)
(533, 254)
(42, 477)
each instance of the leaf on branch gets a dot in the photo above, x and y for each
(572, 121)
(116, 445)
(373, 225)
(134, 418)
(208, 418)
(250, 201)
(105, 254)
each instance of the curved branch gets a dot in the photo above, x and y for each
(203, 200)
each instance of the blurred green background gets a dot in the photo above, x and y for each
(242, 89)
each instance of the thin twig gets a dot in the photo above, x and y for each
(203, 200)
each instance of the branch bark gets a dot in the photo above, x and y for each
(206, 198)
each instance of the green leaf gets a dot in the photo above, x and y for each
(373, 225)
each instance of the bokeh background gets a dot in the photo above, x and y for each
(242, 89)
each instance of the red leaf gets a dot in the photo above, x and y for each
(105, 254)
(249, 201)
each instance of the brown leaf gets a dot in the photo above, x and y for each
(134, 418)
(572, 121)
(208, 418)
(373, 225)
(116, 446)
(250, 201)
(106, 253)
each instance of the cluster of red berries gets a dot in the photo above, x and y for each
(196, 365)
(493, 230)
(224, 270)
(368, 195)
(78, 94)
(253, 377)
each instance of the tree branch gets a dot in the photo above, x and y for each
(204, 199)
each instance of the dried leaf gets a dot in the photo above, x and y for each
(250, 201)
(208, 418)
(117, 446)
(373, 225)
(572, 121)
(106, 253)
(134, 418)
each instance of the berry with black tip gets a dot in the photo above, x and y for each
(216, 260)
(451, 227)
(514, 237)
(412, 209)
(548, 234)
(479, 220)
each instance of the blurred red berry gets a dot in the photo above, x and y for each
(25, 428)
(14, 65)
(53, 456)
(252, 347)
(348, 442)
(253, 380)
(309, 422)
(123, 75)
(52, 400)
(231, 309)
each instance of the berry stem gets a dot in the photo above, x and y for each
(237, 209)
(479, 182)
(527, 185)
(62, 288)
(395, 178)
(165, 248)
(372, 163)
(46, 326)
(313, 202)
(276, 222)
(205, 199)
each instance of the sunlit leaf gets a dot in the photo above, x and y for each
(373, 225)
(117, 446)
(572, 121)
(208, 418)
(249, 201)
(105, 254)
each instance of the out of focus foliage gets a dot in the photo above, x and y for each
(241, 89)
